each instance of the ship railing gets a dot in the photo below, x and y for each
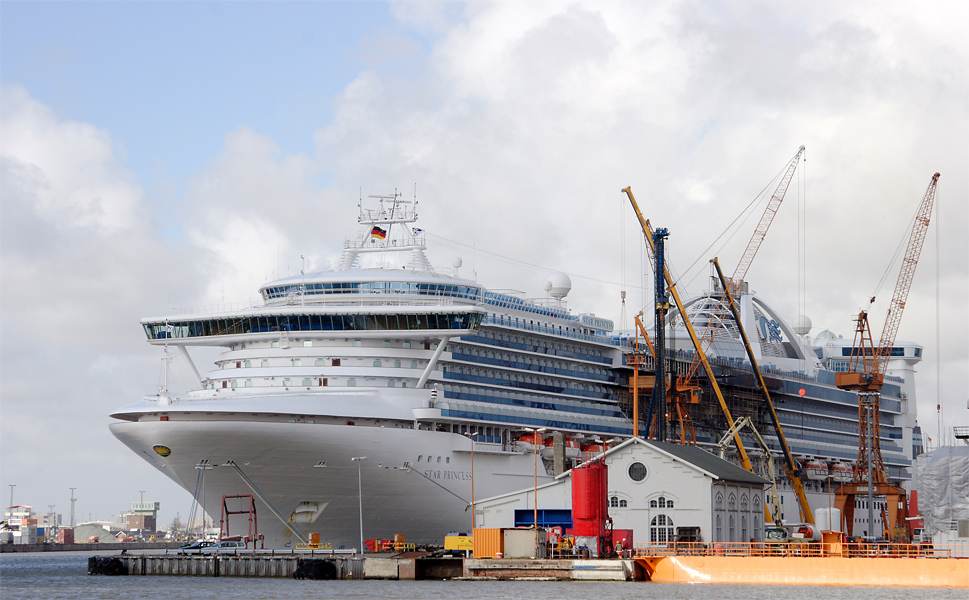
(802, 549)
(215, 308)
(506, 322)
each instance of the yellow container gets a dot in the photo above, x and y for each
(488, 543)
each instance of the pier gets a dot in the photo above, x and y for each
(412, 568)
(799, 564)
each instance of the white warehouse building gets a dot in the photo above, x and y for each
(660, 491)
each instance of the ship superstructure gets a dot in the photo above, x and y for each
(365, 384)
(386, 358)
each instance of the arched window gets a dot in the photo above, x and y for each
(743, 528)
(732, 502)
(756, 533)
(661, 530)
(614, 501)
(719, 500)
(733, 530)
(719, 529)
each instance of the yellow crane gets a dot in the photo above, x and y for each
(671, 286)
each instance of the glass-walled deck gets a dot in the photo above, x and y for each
(208, 327)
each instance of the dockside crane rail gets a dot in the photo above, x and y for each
(671, 288)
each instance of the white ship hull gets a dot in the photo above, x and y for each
(306, 472)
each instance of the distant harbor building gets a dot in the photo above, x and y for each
(143, 516)
(21, 525)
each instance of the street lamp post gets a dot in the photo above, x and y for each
(535, 433)
(359, 460)
(474, 519)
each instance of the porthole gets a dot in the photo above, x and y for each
(637, 471)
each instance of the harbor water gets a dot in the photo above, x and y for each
(64, 576)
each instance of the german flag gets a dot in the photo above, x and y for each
(378, 233)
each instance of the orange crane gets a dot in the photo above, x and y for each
(637, 360)
(866, 374)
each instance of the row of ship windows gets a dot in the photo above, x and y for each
(555, 384)
(289, 323)
(321, 362)
(530, 384)
(517, 361)
(530, 421)
(372, 287)
(538, 346)
(407, 287)
(526, 401)
(541, 345)
(307, 382)
(356, 343)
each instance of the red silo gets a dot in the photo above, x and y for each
(589, 502)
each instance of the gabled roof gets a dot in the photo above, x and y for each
(700, 458)
(696, 457)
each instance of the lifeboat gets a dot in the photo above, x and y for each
(816, 470)
(528, 441)
(841, 472)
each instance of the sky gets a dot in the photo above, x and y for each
(170, 156)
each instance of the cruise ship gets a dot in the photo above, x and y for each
(379, 397)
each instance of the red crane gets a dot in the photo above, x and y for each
(866, 374)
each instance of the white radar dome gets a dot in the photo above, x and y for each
(457, 262)
(558, 285)
(802, 325)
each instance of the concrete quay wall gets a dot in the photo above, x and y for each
(420, 568)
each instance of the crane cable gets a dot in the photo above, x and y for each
(902, 243)
(938, 321)
(744, 214)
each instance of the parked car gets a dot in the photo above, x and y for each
(196, 547)
(224, 546)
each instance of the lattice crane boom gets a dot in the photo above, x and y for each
(715, 321)
(905, 276)
(765, 221)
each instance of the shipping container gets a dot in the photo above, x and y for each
(488, 543)
(65, 536)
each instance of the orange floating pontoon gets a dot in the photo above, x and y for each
(835, 563)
